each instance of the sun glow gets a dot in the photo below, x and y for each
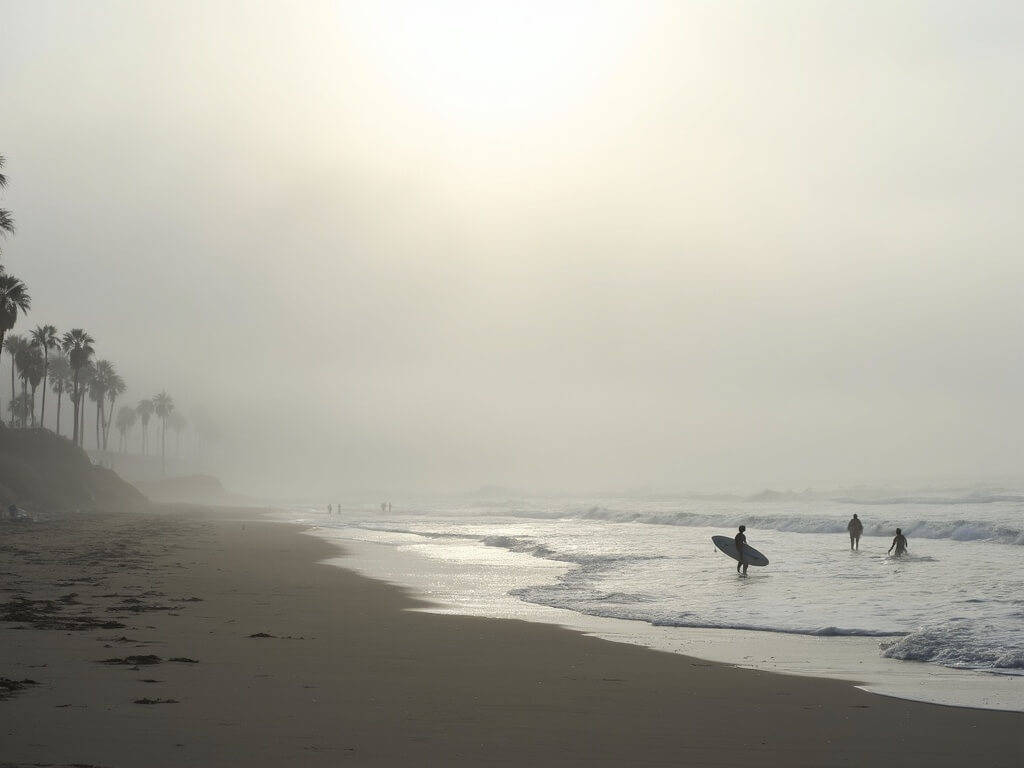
(484, 66)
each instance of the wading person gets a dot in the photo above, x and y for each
(900, 543)
(741, 542)
(856, 528)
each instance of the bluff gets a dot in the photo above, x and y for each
(42, 472)
(192, 489)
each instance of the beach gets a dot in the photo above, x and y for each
(211, 637)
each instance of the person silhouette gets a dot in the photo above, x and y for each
(856, 528)
(900, 543)
(741, 542)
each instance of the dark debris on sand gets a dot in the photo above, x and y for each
(10, 687)
(133, 661)
(48, 614)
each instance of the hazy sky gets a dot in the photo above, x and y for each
(576, 245)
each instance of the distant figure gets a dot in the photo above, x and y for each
(856, 528)
(389, 506)
(741, 543)
(900, 542)
(330, 509)
(383, 506)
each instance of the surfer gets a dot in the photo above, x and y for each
(856, 528)
(741, 541)
(900, 542)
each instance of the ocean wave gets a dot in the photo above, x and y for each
(957, 644)
(957, 530)
(528, 545)
(812, 631)
(569, 595)
(936, 500)
(520, 544)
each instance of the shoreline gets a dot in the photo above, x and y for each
(296, 662)
(851, 659)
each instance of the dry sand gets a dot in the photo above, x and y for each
(283, 661)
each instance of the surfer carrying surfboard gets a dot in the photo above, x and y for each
(737, 548)
(741, 542)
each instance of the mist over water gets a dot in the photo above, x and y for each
(402, 247)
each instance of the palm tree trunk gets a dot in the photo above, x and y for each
(81, 419)
(163, 453)
(74, 401)
(46, 366)
(2, 333)
(106, 425)
(34, 406)
(60, 396)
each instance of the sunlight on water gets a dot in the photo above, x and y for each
(822, 609)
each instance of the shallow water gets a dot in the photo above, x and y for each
(646, 571)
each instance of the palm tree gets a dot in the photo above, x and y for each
(18, 349)
(60, 381)
(103, 378)
(178, 423)
(13, 344)
(145, 410)
(14, 298)
(163, 406)
(207, 431)
(26, 359)
(84, 382)
(115, 388)
(45, 337)
(6, 221)
(125, 420)
(78, 346)
(30, 369)
(18, 408)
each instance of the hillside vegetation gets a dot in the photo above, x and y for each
(42, 472)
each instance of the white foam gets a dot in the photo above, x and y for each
(560, 558)
(457, 589)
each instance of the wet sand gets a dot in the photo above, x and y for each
(210, 638)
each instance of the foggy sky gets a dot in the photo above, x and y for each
(577, 246)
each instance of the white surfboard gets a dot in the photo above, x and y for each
(750, 555)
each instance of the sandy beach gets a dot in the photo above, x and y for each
(207, 637)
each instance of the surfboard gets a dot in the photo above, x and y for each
(750, 555)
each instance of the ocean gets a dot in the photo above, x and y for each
(943, 623)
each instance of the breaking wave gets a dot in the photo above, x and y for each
(958, 530)
(615, 605)
(959, 644)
